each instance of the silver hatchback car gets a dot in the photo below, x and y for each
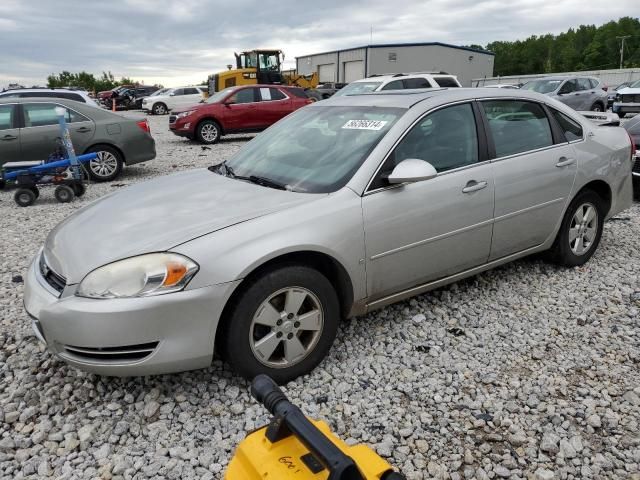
(580, 93)
(340, 208)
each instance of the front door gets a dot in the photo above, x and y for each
(533, 174)
(424, 231)
(39, 135)
(240, 111)
(9, 134)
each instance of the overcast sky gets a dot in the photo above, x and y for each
(182, 42)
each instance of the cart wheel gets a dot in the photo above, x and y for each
(79, 189)
(35, 190)
(64, 194)
(24, 197)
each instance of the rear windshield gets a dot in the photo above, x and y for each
(446, 81)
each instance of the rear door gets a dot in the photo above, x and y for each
(38, 137)
(586, 94)
(534, 168)
(569, 94)
(273, 106)
(9, 134)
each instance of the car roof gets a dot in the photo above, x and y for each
(408, 98)
(27, 90)
(394, 76)
(64, 101)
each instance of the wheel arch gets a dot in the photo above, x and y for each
(210, 117)
(335, 272)
(603, 190)
(110, 145)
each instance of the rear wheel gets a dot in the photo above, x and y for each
(597, 107)
(35, 190)
(282, 324)
(107, 166)
(64, 193)
(24, 197)
(159, 109)
(580, 231)
(208, 131)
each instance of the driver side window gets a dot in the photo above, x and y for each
(246, 95)
(446, 138)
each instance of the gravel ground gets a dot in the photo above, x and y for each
(528, 371)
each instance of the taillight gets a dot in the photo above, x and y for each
(144, 125)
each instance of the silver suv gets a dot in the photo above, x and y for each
(579, 93)
(400, 81)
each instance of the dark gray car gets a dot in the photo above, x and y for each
(29, 129)
(579, 93)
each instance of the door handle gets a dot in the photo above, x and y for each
(473, 186)
(564, 161)
(83, 129)
(9, 137)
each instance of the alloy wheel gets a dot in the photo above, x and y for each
(286, 327)
(105, 165)
(583, 229)
(209, 132)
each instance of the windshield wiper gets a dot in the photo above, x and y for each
(258, 180)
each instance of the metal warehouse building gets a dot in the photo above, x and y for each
(345, 66)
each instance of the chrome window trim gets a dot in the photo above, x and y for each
(58, 105)
(404, 134)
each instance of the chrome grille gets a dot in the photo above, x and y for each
(127, 353)
(57, 282)
(630, 98)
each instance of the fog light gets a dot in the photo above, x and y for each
(186, 126)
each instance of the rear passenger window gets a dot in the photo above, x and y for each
(395, 85)
(416, 83)
(572, 130)
(6, 117)
(517, 126)
(178, 91)
(191, 91)
(44, 114)
(447, 82)
(298, 92)
(584, 84)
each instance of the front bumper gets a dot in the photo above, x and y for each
(181, 127)
(123, 337)
(626, 107)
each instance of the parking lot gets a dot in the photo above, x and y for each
(527, 371)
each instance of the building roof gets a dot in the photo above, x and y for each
(387, 45)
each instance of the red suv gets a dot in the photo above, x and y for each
(250, 108)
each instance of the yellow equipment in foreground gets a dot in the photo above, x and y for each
(294, 447)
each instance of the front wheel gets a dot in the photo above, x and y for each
(282, 324)
(208, 132)
(580, 231)
(597, 107)
(159, 109)
(24, 197)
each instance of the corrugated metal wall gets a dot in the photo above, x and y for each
(607, 77)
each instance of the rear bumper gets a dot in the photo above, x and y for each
(124, 337)
(141, 150)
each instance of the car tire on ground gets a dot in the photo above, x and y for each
(597, 107)
(208, 131)
(621, 114)
(24, 197)
(79, 189)
(107, 166)
(159, 109)
(282, 323)
(64, 193)
(580, 231)
(35, 190)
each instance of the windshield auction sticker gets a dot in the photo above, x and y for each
(364, 124)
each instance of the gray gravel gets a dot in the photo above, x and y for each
(529, 371)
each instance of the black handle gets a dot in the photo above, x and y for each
(9, 137)
(83, 130)
(340, 466)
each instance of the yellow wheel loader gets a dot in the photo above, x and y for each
(294, 447)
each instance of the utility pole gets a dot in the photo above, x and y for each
(623, 38)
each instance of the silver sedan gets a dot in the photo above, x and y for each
(343, 207)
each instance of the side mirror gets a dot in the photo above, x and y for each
(172, 94)
(412, 170)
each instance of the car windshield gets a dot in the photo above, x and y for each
(314, 150)
(635, 84)
(356, 88)
(216, 97)
(542, 86)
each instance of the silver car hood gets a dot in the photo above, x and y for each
(156, 216)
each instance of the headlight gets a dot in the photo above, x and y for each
(143, 276)
(185, 114)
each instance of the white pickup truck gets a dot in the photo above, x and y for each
(627, 100)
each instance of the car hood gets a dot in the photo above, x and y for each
(188, 108)
(156, 216)
(629, 91)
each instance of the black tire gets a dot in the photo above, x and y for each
(35, 190)
(597, 107)
(64, 193)
(24, 197)
(159, 109)
(621, 114)
(79, 189)
(238, 334)
(562, 251)
(107, 166)
(208, 131)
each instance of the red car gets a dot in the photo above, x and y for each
(250, 108)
